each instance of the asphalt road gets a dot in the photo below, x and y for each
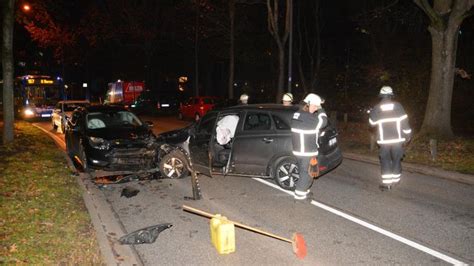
(424, 220)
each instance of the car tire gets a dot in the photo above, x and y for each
(180, 116)
(83, 158)
(174, 165)
(197, 117)
(285, 172)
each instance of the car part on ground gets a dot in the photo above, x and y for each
(145, 235)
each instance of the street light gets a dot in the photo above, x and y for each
(26, 7)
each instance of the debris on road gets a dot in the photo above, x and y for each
(129, 192)
(124, 178)
(146, 235)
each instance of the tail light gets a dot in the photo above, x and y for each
(158, 106)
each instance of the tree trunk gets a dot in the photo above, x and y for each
(230, 85)
(446, 17)
(8, 71)
(281, 72)
(437, 121)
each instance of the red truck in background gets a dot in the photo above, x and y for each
(124, 92)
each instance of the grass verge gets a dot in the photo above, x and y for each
(452, 155)
(43, 216)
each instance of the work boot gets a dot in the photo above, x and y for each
(385, 187)
(308, 199)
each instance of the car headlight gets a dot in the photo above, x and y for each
(29, 112)
(99, 143)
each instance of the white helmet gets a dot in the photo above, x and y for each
(313, 99)
(244, 97)
(287, 97)
(386, 90)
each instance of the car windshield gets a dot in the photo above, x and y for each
(100, 120)
(72, 106)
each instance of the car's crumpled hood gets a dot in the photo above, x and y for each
(122, 133)
(175, 136)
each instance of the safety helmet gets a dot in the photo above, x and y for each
(386, 91)
(244, 97)
(313, 99)
(287, 97)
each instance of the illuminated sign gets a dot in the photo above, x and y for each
(46, 81)
(41, 81)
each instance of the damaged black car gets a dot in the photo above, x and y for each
(110, 138)
(246, 140)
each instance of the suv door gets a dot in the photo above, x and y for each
(199, 142)
(253, 144)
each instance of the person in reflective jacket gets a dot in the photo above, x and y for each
(393, 131)
(305, 127)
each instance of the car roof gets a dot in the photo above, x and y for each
(74, 101)
(265, 106)
(104, 108)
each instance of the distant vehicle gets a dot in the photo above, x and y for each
(154, 102)
(258, 144)
(37, 95)
(63, 110)
(196, 107)
(110, 138)
(124, 92)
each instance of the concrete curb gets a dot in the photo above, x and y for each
(416, 168)
(108, 228)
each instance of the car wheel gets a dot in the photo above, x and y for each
(69, 149)
(197, 117)
(83, 158)
(286, 173)
(173, 165)
(180, 116)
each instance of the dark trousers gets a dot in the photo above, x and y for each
(391, 159)
(305, 181)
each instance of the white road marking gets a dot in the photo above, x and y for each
(377, 229)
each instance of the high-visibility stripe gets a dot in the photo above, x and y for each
(304, 131)
(407, 131)
(396, 175)
(297, 153)
(392, 119)
(387, 181)
(387, 107)
(391, 141)
(301, 193)
(386, 176)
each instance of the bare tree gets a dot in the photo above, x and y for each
(446, 16)
(7, 64)
(280, 38)
(308, 44)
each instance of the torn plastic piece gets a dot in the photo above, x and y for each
(129, 192)
(146, 235)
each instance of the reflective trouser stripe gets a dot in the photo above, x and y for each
(301, 194)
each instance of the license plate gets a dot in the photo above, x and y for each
(45, 115)
(332, 141)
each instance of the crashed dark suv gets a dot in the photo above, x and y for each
(110, 138)
(256, 143)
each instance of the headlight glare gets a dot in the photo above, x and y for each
(99, 143)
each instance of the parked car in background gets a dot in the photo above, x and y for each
(245, 140)
(110, 138)
(63, 110)
(153, 102)
(196, 107)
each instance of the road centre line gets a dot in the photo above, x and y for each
(377, 229)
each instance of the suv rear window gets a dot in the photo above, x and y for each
(280, 124)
